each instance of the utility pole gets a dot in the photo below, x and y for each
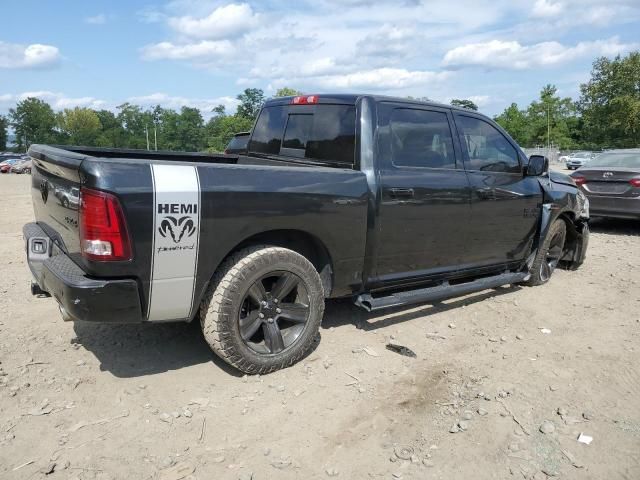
(155, 136)
(548, 130)
(146, 131)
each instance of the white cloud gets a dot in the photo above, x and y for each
(205, 105)
(57, 100)
(547, 8)
(99, 19)
(204, 50)
(480, 100)
(28, 56)
(60, 101)
(382, 78)
(499, 54)
(390, 42)
(224, 22)
(377, 79)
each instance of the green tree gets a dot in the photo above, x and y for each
(219, 111)
(287, 92)
(33, 121)
(515, 122)
(220, 129)
(4, 135)
(250, 102)
(463, 103)
(191, 130)
(81, 125)
(136, 124)
(553, 120)
(169, 130)
(610, 102)
(112, 133)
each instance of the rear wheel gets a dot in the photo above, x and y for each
(263, 309)
(549, 254)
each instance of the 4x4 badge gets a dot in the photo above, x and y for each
(177, 228)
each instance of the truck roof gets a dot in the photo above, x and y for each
(352, 98)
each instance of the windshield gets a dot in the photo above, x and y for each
(581, 155)
(630, 159)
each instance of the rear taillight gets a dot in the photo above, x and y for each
(635, 182)
(579, 180)
(305, 100)
(103, 231)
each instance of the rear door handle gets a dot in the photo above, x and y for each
(401, 192)
(486, 193)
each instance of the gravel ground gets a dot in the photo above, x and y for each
(504, 383)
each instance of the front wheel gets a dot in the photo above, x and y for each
(263, 309)
(549, 254)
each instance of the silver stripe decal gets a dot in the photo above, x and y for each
(175, 241)
(195, 269)
(153, 241)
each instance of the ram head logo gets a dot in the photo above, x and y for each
(176, 228)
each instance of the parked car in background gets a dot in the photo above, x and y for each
(578, 159)
(238, 144)
(22, 166)
(68, 197)
(611, 182)
(5, 167)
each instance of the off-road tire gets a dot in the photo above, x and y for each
(219, 310)
(537, 278)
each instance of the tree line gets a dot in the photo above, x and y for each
(607, 115)
(34, 121)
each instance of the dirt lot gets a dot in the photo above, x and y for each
(89, 401)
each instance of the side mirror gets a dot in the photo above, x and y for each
(538, 165)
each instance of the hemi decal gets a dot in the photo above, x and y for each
(176, 235)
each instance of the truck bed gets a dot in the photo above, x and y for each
(215, 202)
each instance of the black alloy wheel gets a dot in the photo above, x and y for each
(274, 312)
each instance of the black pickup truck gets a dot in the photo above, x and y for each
(388, 201)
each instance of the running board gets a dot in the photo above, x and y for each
(440, 292)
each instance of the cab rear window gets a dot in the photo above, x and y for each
(324, 133)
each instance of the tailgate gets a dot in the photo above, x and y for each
(55, 191)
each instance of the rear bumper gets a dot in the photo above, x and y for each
(81, 298)
(616, 207)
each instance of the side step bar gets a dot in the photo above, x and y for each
(440, 292)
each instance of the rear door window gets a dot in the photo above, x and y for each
(323, 133)
(421, 138)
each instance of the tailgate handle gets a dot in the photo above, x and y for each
(401, 192)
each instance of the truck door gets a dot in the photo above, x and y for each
(424, 193)
(505, 204)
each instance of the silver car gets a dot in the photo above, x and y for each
(578, 159)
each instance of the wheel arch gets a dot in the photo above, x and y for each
(300, 241)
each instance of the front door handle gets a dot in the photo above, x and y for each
(401, 192)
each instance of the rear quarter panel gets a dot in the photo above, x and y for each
(241, 201)
(236, 203)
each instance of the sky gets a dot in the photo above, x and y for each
(202, 53)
